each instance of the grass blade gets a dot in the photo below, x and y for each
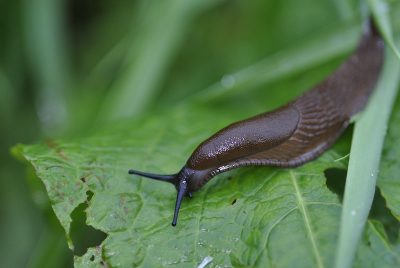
(320, 48)
(45, 34)
(152, 48)
(380, 10)
(366, 148)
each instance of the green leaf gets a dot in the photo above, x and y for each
(248, 217)
(388, 181)
(256, 213)
(375, 251)
(92, 258)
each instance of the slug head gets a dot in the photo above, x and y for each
(180, 180)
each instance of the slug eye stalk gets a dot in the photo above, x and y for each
(158, 177)
(182, 191)
(180, 185)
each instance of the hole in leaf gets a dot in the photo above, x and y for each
(234, 201)
(336, 180)
(380, 212)
(92, 258)
(89, 195)
(84, 236)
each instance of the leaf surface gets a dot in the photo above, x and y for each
(389, 180)
(248, 217)
(249, 210)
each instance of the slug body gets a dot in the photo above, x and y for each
(291, 135)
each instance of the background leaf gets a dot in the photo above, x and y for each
(374, 250)
(388, 181)
(380, 10)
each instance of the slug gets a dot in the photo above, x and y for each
(289, 136)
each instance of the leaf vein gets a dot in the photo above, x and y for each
(303, 209)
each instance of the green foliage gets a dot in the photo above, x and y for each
(370, 129)
(380, 10)
(364, 160)
(249, 217)
(374, 251)
(135, 103)
(388, 182)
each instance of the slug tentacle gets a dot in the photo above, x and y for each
(167, 178)
(291, 135)
(182, 191)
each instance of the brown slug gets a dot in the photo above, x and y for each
(289, 136)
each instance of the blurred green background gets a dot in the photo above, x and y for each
(69, 65)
